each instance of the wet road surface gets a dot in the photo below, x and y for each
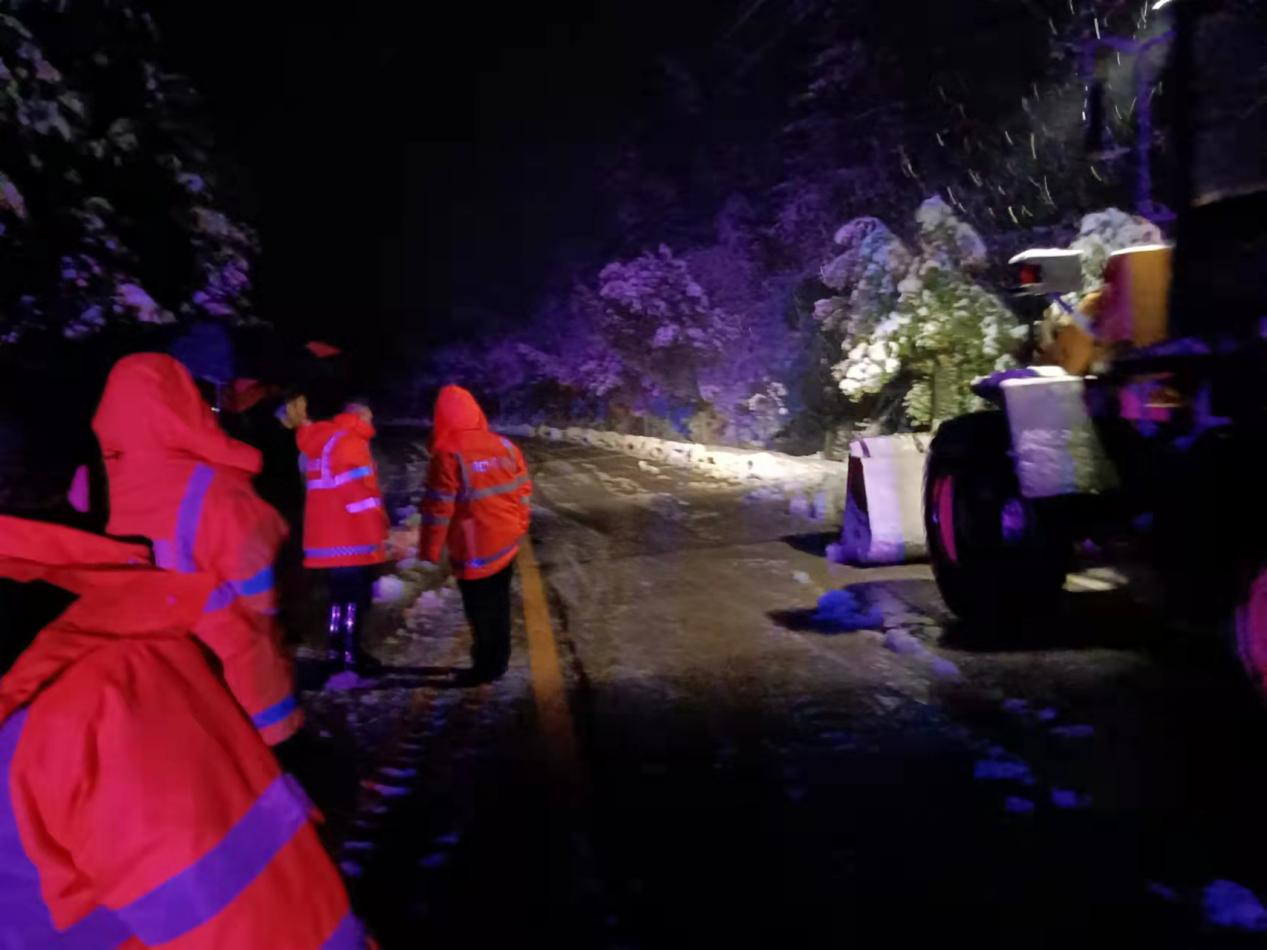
(742, 774)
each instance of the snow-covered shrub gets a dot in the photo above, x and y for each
(915, 317)
(762, 415)
(109, 205)
(661, 324)
(866, 272)
(1104, 232)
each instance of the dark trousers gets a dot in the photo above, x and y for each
(351, 592)
(351, 585)
(487, 604)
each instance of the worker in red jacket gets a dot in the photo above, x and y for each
(176, 479)
(477, 502)
(138, 805)
(345, 524)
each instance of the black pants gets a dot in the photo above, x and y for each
(351, 585)
(487, 604)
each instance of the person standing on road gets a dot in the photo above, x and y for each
(477, 502)
(177, 480)
(345, 524)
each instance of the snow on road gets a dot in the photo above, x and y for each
(766, 731)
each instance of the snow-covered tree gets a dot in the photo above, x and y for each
(109, 206)
(914, 317)
(661, 324)
(1103, 232)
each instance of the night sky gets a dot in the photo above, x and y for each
(421, 176)
(411, 172)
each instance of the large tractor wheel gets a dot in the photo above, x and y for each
(1250, 630)
(996, 560)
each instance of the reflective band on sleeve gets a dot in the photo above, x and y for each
(258, 584)
(349, 935)
(326, 451)
(428, 518)
(350, 551)
(275, 713)
(479, 562)
(209, 885)
(365, 471)
(366, 504)
(178, 554)
(230, 591)
(335, 481)
(497, 489)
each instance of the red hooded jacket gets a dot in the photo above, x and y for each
(344, 521)
(138, 805)
(177, 479)
(478, 493)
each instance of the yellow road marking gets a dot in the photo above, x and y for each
(547, 674)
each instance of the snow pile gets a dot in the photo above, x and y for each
(1067, 798)
(840, 611)
(814, 486)
(1235, 907)
(944, 669)
(1016, 805)
(389, 589)
(1003, 767)
(901, 642)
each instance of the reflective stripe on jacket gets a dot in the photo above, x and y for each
(478, 494)
(138, 807)
(178, 480)
(344, 521)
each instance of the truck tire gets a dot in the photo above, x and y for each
(997, 561)
(1249, 630)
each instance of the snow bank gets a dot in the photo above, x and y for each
(880, 507)
(812, 485)
(1234, 906)
(389, 589)
(842, 611)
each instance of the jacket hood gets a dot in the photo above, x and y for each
(151, 407)
(120, 595)
(313, 437)
(457, 411)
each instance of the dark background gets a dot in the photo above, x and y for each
(425, 174)
(412, 173)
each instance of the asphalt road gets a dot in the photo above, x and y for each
(743, 775)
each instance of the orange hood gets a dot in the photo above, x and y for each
(120, 595)
(457, 411)
(151, 408)
(153, 426)
(313, 437)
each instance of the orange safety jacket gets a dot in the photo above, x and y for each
(139, 807)
(344, 521)
(479, 495)
(178, 480)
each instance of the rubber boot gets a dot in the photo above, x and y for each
(334, 634)
(354, 656)
(350, 631)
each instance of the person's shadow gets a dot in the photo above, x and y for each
(313, 675)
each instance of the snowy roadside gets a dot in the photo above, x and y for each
(811, 486)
